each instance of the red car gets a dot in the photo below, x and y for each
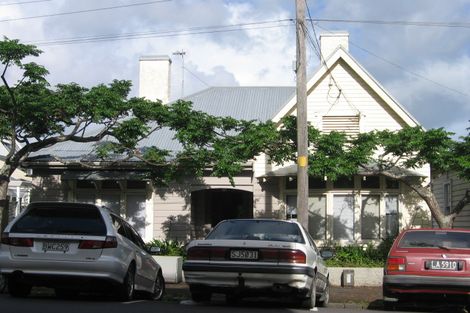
(428, 262)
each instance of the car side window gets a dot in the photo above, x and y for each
(136, 238)
(119, 226)
(311, 241)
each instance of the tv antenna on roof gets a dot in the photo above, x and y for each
(181, 53)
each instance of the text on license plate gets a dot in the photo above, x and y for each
(55, 246)
(450, 265)
(244, 254)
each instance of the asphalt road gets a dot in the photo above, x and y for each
(100, 304)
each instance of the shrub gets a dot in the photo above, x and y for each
(169, 247)
(357, 255)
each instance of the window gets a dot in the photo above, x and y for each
(317, 216)
(447, 198)
(70, 220)
(343, 217)
(391, 183)
(344, 183)
(291, 203)
(313, 183)
(370, 217)
(136, 184)
(391, 216)
(370, 182)
(112, 201)
(85, 184)
(110, 184)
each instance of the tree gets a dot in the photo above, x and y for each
(34, 116)
(335, 154)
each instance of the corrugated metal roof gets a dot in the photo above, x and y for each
(248, 103)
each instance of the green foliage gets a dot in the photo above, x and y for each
(168, 247)
(462, 160)
(356, 255)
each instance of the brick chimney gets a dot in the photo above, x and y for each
(329, 42)
(154, 77)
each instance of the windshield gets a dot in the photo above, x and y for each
(437, 239)
(257, 230)
(62, 220)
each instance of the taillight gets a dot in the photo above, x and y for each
(199, 253)
(396, 264)
(17, 242)
(292, 256)
(109, 242)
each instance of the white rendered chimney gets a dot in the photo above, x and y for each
(329, 42)
(154, 77)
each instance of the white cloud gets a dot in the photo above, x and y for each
(260, 56)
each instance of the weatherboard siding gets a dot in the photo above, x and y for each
(458, 188)
(356, 98)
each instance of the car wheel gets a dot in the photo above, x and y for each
(389, 305)
(3, 283)
(158, 288)
(65, 293)
(18, 288)
(325, 297)
(310, 302)
(126, 290)
(232, 299)
(201, 296)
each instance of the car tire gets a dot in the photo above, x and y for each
(325, 297)
(65, 293)
(201, 296)
(232, 299)
(3, 283)
(389, 305)
(158, 288)
(17, 288)
(127, 288)
(310, 302)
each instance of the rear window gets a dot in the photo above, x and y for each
(438, 238)
(62, 220)
(257, 230)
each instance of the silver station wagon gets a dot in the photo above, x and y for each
(74, 247)
(257, 257)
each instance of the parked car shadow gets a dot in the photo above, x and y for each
(421, 306)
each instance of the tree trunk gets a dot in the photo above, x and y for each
(5, 173)
(4, 212)
(442, 220)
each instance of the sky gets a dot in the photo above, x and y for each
(418, 50)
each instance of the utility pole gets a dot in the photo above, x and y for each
(302, 135)
(182, 54)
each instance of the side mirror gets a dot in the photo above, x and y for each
(327, 254)
(154, 250)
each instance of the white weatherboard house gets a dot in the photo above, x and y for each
(341, 96)
(19, 186)
(449, 189)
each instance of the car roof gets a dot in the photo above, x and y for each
(436, 229)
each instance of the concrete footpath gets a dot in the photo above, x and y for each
(341, 297)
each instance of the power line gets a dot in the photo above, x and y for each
(23, 2)
(197, 77)
(83, 11)
(401, 23)
(403, 68)
(165, 33)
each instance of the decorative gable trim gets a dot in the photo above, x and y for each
(341, 54)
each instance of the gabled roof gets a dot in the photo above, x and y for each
(249, 103)
(341, 54)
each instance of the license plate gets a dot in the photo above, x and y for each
(244, 254)
(449, 265)
(55, 246)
